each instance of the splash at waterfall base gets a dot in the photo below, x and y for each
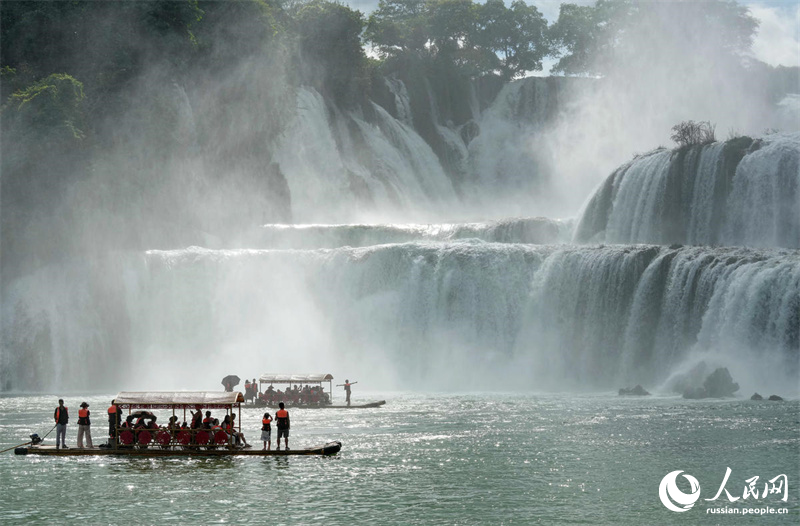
(444, 314)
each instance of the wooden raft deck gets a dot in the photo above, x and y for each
(331, 448)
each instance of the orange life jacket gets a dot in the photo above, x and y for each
(282, 413)
(112, 410)
(266, 422)
(58, 412)
(83, 413)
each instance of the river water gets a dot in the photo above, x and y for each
(475, 458)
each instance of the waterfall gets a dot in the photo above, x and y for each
(343, 166)
(557, 317)
(510, 160)
(741, 192)
(535, 230)
(434, 313)
(401, 100)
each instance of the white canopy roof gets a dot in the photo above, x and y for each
(168, 399)
(269, 378)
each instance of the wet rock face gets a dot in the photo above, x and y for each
(718, 384)
(775, 398)
(756, 396)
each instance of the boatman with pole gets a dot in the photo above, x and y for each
(346, 386)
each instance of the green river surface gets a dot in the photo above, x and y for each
(478, 458)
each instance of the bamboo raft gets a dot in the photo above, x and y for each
(144, 439)
(331, 448)
(368, 405)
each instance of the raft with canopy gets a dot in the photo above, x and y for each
(147, 438)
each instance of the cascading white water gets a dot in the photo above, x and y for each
(333, 172)
(703, 195)
(401, 100)
(445, 314)
(537, 230)
(444, 304)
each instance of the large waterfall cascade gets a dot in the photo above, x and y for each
(504, 304)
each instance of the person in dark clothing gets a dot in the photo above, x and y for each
(61, 416)
(197, 418)
(282, 421)
(84, 426)
(114, 419)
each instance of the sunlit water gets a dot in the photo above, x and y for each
(436, 459)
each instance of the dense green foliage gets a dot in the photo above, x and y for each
(480, 39)
(330, 54)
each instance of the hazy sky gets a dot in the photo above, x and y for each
(777, 41)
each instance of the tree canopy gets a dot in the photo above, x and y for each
(479, 38)
(593, 39)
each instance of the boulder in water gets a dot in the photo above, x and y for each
(691, 379)
(720, 384)
(775, 398)
(756, 396)
(635, 391)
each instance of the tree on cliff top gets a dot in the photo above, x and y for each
(595, 39)
(477, 38)
(331, 57)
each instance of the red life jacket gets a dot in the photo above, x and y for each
(266, 422)
(112, 410)
(83, 412)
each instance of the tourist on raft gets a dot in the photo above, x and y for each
(84, 426)
(114, 419)
(282, 419)
(61, 416)
(266, 431)
(240, 439)
(197, 417)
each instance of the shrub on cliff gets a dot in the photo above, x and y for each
(689, 133)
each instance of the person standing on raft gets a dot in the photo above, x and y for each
(346, 386)
(61, 416)
(114, 419)
(282, 420)
(266, 431)
(84, 426)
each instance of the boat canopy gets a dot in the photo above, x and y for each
(295, 378)
(177, 399)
